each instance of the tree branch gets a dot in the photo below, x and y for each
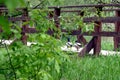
(38, 5)
(11, 65)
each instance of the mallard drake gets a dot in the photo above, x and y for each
(77, 45)
(69, 44)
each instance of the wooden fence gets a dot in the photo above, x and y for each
(95, 42)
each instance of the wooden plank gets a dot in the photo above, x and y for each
(72, 32)
(77, 32)
(18, 18)
(24, 27)
(56, 17)
(31, 30)
(104, 10)
(117, 29)
(6, 9)
(87, 5)
(57, 22)
(103, 33)
(96, 19)
(81, 39)
(87, 48)
(95, 43)
(97, 39)
(102, 19)
(0, 15)
(50, 32)
(70, 10)
(50, 14)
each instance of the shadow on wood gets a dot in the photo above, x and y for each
(87, 48)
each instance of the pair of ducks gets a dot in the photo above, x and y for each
(76, 44)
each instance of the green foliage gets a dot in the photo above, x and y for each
(39, 18)
(41, 61)
(12, 4)
(45, 60)
(17, 3)
(71, 22)
(4, 24)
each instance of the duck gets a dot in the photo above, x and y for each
(77, 45)
(69, 44)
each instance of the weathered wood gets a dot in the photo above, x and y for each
(76, 32)
(102, 19)
(0, 15)
(56, 17)
(97, 39)
(103, 33)
(50, 14)
(91, 10)
(24, 27)
(57, 22)
(3, 8)
(87, 48)
(50, 17)
(31, 30)
(70, 11)
(22, 18)
(81, 39)
(95, 43)
(50, 32)
(72, 32)
(97, 19)
(117, 29)
(87, 5)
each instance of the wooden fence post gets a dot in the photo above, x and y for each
(50, 17)
(94, 43)
(0, 26)
(97, 39)
(50, 14)
(57, 12)
(80, 37)
(1, 13)
(24, 27)
(117, 29)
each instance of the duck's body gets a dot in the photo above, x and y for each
(77, 45)
(69, 44)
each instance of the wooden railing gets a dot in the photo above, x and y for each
(95, 43)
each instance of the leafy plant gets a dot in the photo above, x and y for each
(41, 61)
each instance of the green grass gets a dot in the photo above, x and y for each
(107, 46)
(106, 42)
(93, 68)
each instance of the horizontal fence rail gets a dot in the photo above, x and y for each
(88, 5)
(18, 18)
(104, 10)
(102, 19)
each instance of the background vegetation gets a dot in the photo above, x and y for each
(45, 60)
